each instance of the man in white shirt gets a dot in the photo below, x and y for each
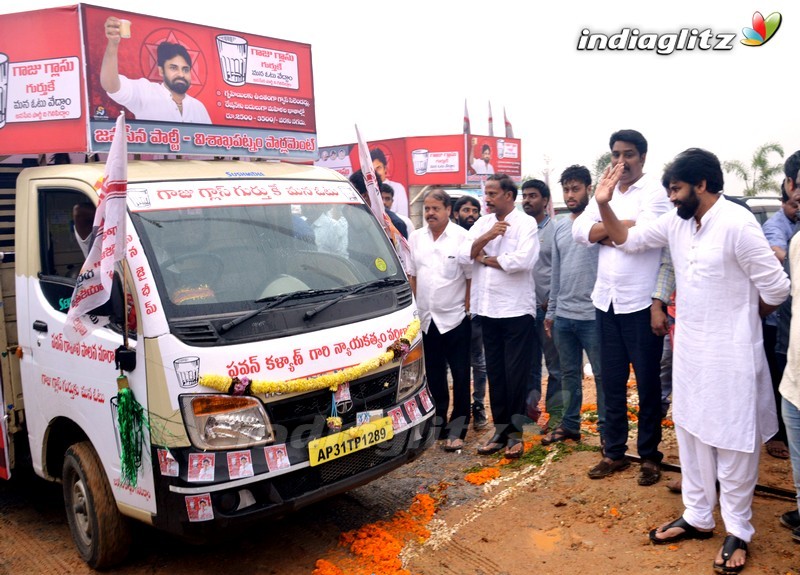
(441, 286)
(623, 296)
(503, 249)
(167, 101)
(726, 278)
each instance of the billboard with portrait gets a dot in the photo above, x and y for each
(185, 88)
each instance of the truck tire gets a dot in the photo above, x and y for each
(100, 532)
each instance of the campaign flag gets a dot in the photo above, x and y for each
(491, 121)
(509, 129)
(376, 202)
(107, 245)
(466, 119)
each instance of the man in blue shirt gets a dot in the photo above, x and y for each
(779, 229)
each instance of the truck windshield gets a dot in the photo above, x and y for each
(218, 260)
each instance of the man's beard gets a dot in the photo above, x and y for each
(179, 86)
(688, 207)
(465, 223)
(578, 209)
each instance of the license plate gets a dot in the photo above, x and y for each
(346, 442)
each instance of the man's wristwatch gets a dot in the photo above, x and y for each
(483, 259)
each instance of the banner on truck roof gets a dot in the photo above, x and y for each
(41, 83)
(185, 88)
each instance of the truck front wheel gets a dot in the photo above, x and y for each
(101, 533)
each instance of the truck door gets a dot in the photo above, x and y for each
(60, 378)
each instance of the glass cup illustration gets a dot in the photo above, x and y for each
(232, 58)
(188, 370)
(3, 87)
(124, 28)
(501, 149)
(420, 160)
(139, 197)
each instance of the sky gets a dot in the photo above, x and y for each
(400, 69)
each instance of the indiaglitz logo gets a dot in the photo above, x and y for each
(681, 40)
(684, 39)
(762, 30)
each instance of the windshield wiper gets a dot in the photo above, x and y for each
(377, 283)
(275, 302)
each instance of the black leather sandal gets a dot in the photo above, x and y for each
(729, 547)
(688, 532)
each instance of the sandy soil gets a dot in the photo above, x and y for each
(541, 515)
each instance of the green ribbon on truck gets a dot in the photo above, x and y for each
(131, 424)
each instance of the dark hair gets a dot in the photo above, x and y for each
(486, 147)
(506, 184)
(387, 189)
(543, 188)
(631, 137)
(168, 50)
(360, 184)
(439, 195)
(377, 154)
(693, 166)
(792, 165)
(784, 195)
(577, 173)
(466, 200)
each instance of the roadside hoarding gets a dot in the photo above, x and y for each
(434, 160)
(253, 96)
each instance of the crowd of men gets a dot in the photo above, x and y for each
(647, 257)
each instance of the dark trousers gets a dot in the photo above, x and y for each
(776, 366)
(625, 339)
(443, 350)
(507, 343)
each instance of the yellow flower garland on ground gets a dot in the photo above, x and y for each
(329, 380)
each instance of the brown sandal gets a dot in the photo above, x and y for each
(490, 448)
(514, 451)
(454, 444)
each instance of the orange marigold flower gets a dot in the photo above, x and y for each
(482, 476)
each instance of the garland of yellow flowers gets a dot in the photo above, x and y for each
(240, 386)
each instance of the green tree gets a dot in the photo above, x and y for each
(759, 176)
(600, 165)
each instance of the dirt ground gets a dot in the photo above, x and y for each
(540, 515)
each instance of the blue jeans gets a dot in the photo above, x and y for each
(625, 339)
(572, 337)
(478, 362)
(791, 417)
(554, 401)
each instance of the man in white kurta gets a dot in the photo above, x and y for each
(723, 406)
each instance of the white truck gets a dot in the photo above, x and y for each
(275, 366)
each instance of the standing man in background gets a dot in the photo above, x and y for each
(622, 295)
(503, 249)
(441, 286)
(467, 211)
(535, 199)
(571, 319)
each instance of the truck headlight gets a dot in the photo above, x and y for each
(412, 371)
(225, 422)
